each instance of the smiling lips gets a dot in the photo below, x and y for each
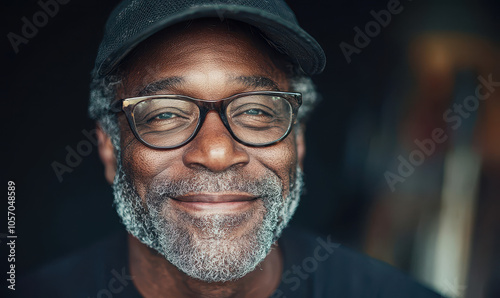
(215, 202)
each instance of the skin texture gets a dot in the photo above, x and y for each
(208, 56)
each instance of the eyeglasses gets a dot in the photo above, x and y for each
(257, 118)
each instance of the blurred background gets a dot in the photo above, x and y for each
(403, 153)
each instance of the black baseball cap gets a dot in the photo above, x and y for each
(133, 21)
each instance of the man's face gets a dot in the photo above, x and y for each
(212, 207)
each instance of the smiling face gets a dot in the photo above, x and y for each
(214, 206)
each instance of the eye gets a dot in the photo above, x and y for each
(255, 112)
(164, 116)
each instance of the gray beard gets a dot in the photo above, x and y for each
(205, 246)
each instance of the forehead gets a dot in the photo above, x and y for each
(203, 47)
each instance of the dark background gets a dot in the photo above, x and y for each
(44, 109)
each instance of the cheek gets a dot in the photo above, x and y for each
(280, 158)
(142, 164)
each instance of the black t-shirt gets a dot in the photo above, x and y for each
(313, 267)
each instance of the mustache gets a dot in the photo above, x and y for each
(203, 181)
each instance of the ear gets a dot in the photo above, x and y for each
(107, 154)
(301, 145)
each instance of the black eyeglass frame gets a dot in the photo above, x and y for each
(204, 106)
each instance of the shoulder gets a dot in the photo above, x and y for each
(91, 272)
(315, 266)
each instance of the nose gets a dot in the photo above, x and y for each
(214, 148)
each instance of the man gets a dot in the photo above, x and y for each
(200, 107)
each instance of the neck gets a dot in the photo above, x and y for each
(154, 276)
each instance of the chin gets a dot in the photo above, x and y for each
(215, 247)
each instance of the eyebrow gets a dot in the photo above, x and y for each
(258, 82)
(164, 84)
(174, 82)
